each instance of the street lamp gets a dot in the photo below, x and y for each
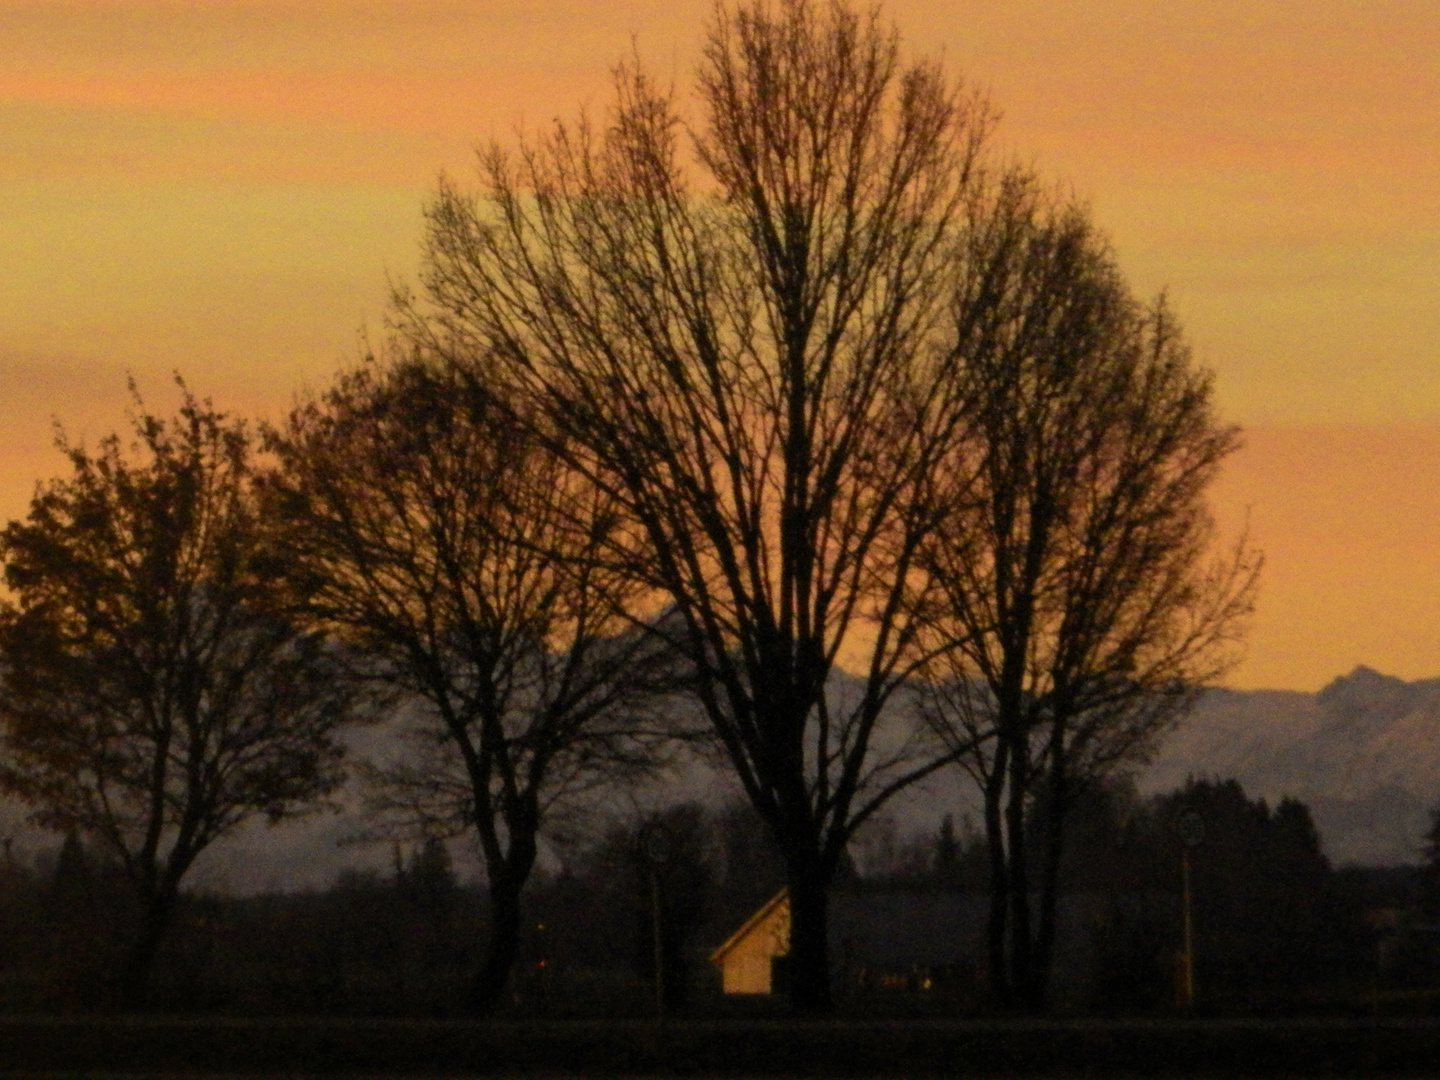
(1191, 827)
(655, 846)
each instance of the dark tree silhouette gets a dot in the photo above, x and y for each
(455, 555)
(1269, 918)
(752, 359)
(151, 696)
(666, 859)
(1430, 868)
(1080, 600)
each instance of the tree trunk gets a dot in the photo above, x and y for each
(507, 864)
(810, 993)
(1045, 935)
(996, 927)
(1021, 964)
(133, 983)
(508, 870)
(488, 985)
(1050, 877)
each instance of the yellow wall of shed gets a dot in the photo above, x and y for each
(745, 969)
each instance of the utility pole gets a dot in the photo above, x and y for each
(654, 846)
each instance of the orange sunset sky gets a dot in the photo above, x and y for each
(222, 186)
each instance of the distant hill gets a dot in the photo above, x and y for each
(1364, 753)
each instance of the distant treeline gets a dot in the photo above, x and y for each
(1276, 928)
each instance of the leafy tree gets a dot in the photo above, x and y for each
(151, 696)
(456, 556)
(750, 358)
(1080, 607)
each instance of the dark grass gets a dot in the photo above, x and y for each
(135, 1046)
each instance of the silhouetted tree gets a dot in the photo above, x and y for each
(756, 367)
(1081, 609)
(682, 869)
(947, 851)
(894, 857)
(751, 868)
(151, 696)
(1430, 872)
(457, 557)
(429, 878)
(1269, 916)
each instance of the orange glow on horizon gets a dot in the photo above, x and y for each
(222, 187)
(1349, 519)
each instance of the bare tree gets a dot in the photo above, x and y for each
(751, 357)
(455, 555)
(150, 694)
(1079, 597)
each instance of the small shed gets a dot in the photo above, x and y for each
(901, 939)
(749, 957)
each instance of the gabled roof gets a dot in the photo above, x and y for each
(781, 897)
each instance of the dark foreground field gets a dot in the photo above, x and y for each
(394, 1048)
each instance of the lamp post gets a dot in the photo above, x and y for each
(1191, 827)
(654, 845)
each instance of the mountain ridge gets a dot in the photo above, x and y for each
(1363, 752)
